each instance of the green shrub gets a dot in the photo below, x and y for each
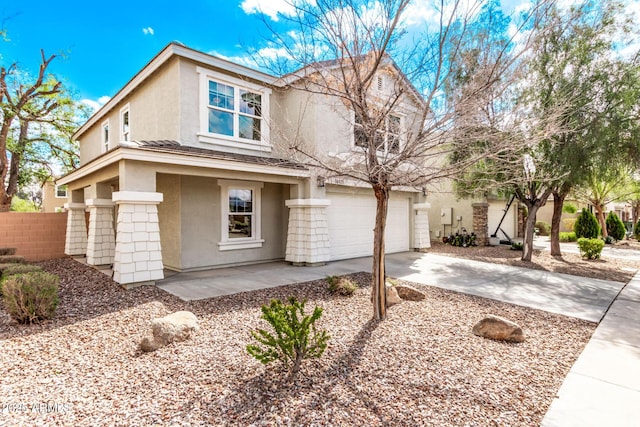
(19, 269)
(590, 248)
(569, 208)
(568, 236)
(586, 225)
(341, 285)
(31, 297)
(544, 228)
(615, 226)
(295, 339)
(517, 246)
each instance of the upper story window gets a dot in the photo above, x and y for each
(125, 129)
(233, 112)
(105, 136)
(61, 191)
(387, 139)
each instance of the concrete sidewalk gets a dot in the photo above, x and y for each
(573, 296)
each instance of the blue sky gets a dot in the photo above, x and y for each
(105, 44)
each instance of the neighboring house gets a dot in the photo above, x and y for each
(53, 197)
(182, 169)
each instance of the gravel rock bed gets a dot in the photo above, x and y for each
(421, 366)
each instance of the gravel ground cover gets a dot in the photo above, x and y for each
(607, 268)
(422, 366)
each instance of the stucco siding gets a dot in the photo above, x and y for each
(169, 219)
(200, 225)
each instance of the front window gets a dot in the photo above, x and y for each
(234, 112)
(240, 215)
(61, 191)
(125, 130)
(387, 140)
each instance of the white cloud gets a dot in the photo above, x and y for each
(148, 31)
(96, 104)
(271, 8)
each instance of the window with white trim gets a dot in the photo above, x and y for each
(61, 191)
(387, 140)
(125, 128)
(240, 216)
(233, 112)
(105, 136)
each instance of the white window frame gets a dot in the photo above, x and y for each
(255, 241)
(385, 151)
(106, 138)
(66, 191)
(125, 134)
(225, 141)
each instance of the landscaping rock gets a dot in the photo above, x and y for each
(498, 328)
(392, 296)
(409, 293)
(175, 327)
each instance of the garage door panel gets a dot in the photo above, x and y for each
(351, 222)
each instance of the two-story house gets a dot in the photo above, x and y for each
(184, 169)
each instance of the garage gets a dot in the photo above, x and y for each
(351, 218)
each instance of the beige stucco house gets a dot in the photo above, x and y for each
(183, 169)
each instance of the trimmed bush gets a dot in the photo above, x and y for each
(615, 226)
(341, 285)
(590, 248)
(295, 339)
(31, 297)
(586, 225)
(544, 228)
(568, 236)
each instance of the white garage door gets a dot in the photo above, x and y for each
(351, 220)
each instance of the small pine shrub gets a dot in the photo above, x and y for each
(586, 225)
(568, 236)
(615, 226)
(31, 297)
(544, 228)
(295, 339)
(341, 286)
(590, 248)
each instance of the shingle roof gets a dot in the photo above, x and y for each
(168, 146)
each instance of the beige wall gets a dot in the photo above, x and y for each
(169, 219)
(51, 203)
(545, 213)
(154, 112)
(441, 197)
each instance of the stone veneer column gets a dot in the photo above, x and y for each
(101, 240)
(308, 232)
(421, 237)
(138, 255)
(76, 236)
(481, 223)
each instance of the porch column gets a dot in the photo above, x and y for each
(308, 232)
(76, 236)
(421, 237)
(138, 257)
(101, 239)
(481, 223)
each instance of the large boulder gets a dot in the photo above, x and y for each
(392, 296)
(175, 327)
(410, 293)
(498, 328)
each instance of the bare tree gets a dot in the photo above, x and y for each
(339, 50)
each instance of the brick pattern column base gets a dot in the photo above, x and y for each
(421, 236)
(76, 235)
(308, 232)
(522, 217)
(138, 255)
(481, 223)
(101, 240)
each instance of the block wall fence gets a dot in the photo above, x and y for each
(36, 236)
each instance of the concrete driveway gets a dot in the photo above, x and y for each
(579, 297)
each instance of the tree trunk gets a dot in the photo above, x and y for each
(558, 201)
(529, 226)
(601, 220)
(378, 290)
